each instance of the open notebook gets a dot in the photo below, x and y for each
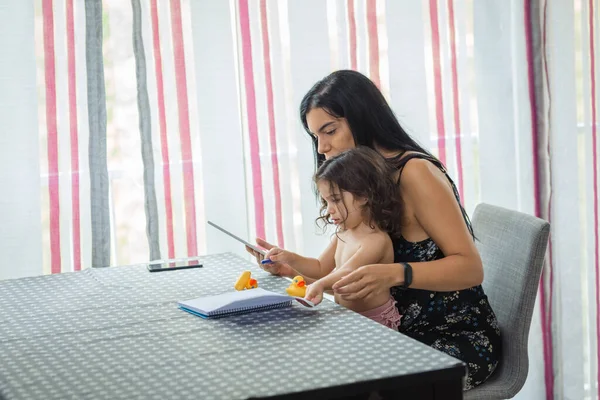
(239, 302)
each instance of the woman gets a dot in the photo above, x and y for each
(437, 274)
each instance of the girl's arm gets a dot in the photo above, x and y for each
(314, 268)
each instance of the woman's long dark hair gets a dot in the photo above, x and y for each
(365, 174)
(351, 95)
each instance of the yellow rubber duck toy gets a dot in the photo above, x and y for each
(245, 281)
(297, 288)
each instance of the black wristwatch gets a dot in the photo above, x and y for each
(407, 275)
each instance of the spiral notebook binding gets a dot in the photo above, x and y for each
(244, 310)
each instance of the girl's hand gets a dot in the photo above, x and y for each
(367, 282)
(278, 268)
(314, 293)
(278, 255)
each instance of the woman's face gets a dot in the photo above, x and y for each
(333, 134)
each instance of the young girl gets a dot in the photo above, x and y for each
(360, 198)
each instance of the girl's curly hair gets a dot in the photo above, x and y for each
(364, 173)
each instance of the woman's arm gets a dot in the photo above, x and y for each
(426, 192)
(436, 209)
(369, 252)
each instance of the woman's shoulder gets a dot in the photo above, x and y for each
(418, 169)
(422, 181)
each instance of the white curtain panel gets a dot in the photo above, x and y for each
(20, 209)
(571, 52)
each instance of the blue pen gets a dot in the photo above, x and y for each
(266, 261)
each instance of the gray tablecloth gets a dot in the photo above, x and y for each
(117, 333)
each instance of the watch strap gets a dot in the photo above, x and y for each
(408, 275)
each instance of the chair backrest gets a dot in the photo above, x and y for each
(512, 247)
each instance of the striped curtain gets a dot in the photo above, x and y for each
(565, 67)
(63, 133)
(154, 116)
(120, 158)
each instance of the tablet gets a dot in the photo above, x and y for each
(252, 246)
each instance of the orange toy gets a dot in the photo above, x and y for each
(297, 287)
(245, 281)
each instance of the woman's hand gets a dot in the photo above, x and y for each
(275, 268)
(314, 293)
(369, 281)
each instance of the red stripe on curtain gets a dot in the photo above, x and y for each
(50, 76)
(373, 42)
(595, 176)
(352, 34)
(456, 99)
(184, 128)
(259, 209)
(544, 299)
(162, 122)
(437, 76)
(74, 138)
(271, 111)
(549, 209)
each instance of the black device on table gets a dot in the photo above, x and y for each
(173, 265)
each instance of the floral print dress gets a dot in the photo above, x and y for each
(460, 323)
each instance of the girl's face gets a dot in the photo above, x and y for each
(333, 134)
(344, 209)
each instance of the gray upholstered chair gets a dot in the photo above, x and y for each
(512, 247)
